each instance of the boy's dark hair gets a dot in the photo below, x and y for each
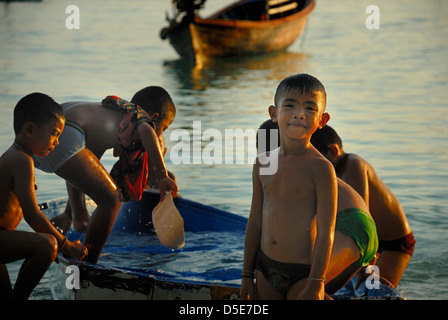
(303, 82)
(37, 108)
(323, 138)
(268, 125)
(154, 99)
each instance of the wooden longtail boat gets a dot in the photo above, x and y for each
(139, 266)
(244, 27)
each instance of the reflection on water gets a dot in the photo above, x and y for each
(227, 73)
(387, 96)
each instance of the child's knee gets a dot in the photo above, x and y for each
(48, 247)
(111, 200)
(116, 199)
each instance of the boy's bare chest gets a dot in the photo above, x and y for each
(293, 179)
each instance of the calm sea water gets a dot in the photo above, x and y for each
(387, 96)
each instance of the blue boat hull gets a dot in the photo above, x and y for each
(99, 281)
(135, 216)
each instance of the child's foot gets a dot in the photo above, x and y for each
(80, 225)
(62, 222)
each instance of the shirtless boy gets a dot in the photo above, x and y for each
(355, 239)
(396, 241)
(290, 229)
(38, 123)
(91, 129)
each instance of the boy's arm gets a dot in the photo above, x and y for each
(23, 172)
(326, 193)
(150, 142)
(253, 236)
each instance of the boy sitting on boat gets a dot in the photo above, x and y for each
(132, 129)
(38, 123)
(396, 241)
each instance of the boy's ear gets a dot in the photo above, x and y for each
(155, 116)
(324, 119)
(334, 150)
(28, 128)
(273, 113)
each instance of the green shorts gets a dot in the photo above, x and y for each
(359, 225)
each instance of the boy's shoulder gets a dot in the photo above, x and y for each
(15, 163)
(356, 166)
(319, 162)
(264, 157)
(356, 161)
(266, 163)
(14, 157)
(318, 165)
(314, 155)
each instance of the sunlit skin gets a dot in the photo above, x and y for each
(42, 140)
(85, 174)
(18, 200)
(385, 208)
(293, 212)
(345, 253)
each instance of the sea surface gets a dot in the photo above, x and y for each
(387, 96)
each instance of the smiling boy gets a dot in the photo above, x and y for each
(290, 231)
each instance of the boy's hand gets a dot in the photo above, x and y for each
(75, 250)
(166, 185)
(248, 291)
(314, 290)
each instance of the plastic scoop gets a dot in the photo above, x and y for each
(168, 224)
